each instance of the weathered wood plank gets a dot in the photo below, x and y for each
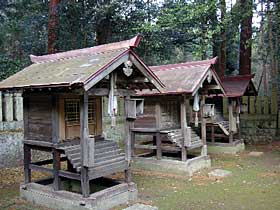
(56, 168)
(85, 182)
(40, 168)
(27, 161)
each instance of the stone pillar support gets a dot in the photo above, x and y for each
(18, 102)
(8, 107)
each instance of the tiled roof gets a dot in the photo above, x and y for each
(240, 85)
(73, 67)
(182, 77)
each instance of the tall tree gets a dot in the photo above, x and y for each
(222, 58)
(246, 7)
(53, 26)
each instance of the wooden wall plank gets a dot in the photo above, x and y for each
(265, 105)
(252, 105)
(258, 105)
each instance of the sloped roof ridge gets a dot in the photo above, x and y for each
(131, 43)
(185, 64)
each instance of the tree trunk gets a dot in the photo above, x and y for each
(245, 50)
(53, 26)
(222, 60)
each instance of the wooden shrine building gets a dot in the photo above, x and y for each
(222, 129)
(177, 116)
(63, 112)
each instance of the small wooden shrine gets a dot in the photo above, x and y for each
(63, 111)
(177, 116)
(224, 130)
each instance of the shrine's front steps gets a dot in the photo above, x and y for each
(108, 198)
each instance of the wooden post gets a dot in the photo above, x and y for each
(55, 139)
(203, 122)
(56, 167)
(128, 144)
(132, 142)
(55, 120)
(212, 133)
(27, 161)
(238, 120)
(158, 126)
(84, 144)
(184, 128)
(230, 114)
(26, 149)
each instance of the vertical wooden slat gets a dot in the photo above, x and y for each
(184, 128)
(25, 117)
(258, 105)
(85, 182)
(62, 133)
(225, 106)
(55, 119)
(212, 134)
(84, 144)
(26, 149)
(245, 101)
(128, 145)
(265, 105)
(252, 105)
(56, 167)
(27, 161)
(274, 105)
(98, 112)
(55, 139)
(203, 122)
(158, 126)
(231, 121)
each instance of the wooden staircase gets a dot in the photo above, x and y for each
(224, 125)
(221, 122)
(176, 137)
(107, 153)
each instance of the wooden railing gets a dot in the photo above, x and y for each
(256, 104)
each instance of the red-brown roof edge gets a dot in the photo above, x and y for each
(131, 43)
(186, 64)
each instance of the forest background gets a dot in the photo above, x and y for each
(244, 34)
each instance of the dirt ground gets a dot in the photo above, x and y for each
(254, 184)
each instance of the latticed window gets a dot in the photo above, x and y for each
(72, 111)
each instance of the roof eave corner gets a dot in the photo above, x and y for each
(135, 41)
(33, 58)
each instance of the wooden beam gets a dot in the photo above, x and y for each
(27, 161)
(105, 92)
(212, 134)
(38, 143)
(184, 128)
(56, 168)
(25, 116)
(230, 117)
(84, 130)
(55, 119)
(40, 168)
(158, 126)
(85, 182)
(128, 141)
(84, 144)
(203, 122)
